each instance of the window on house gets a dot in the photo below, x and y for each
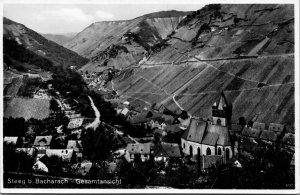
(219, 121)
(183, 145)
(208, 151)
(219, 151)
(191, 151)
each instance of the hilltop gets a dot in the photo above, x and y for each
(246, 50)
(28, 50)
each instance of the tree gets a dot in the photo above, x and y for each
(54, 106)
(242, 121)
(14, 126)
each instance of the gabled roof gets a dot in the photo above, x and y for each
(251, 132)
(42, 140)
(141, 148)
(276, 127)
(63, 153)
(10, 139)
(259, 126)
(269, 135)
(206, 133)
(171, 149)
(75, 145)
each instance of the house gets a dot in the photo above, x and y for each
(125, 111)
(206, 138)
(40, 166)
(269, 136)
(288, 141)
(173, 129)
(249, 132)
(279, 128)
(140, 151)
(10, 140)
(42, 142)
(75, 123)
(31, 152)
(259, 126)
(65, 154)
(76, 146)
(167, 151)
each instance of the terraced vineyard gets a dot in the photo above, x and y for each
(247, 51)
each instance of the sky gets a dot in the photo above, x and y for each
(65, 18)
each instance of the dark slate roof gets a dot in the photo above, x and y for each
(210, 139)
(269, 135)
(251, 132)
(195, 131)
(236, 128)
(206, 133)
(289, 139)
(172, 149)
(139, 148)
(276, 127)
(172, 128)
(222, 132)
(259, 126)
(210, 160)
(168, 150)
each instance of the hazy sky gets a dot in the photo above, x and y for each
(64, 18)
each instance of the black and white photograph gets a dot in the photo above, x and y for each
(150, 96)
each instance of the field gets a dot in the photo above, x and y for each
(262, 87)
(26, 108)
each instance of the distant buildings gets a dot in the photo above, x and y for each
(42, 142)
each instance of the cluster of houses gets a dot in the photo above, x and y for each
(41, 149)
(212, 141)
(98, 79)
(207, 142)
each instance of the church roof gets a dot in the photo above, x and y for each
(195, 131)
(222, 102)
(206, 133)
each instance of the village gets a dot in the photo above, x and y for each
(165, 137)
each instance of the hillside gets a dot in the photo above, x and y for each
(60, 39)
(245, 50)
(124, 43)
(27, 49)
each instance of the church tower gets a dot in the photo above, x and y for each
(222, 111)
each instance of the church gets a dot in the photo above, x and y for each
(210, 138)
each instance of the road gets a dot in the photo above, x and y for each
(97, 121)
